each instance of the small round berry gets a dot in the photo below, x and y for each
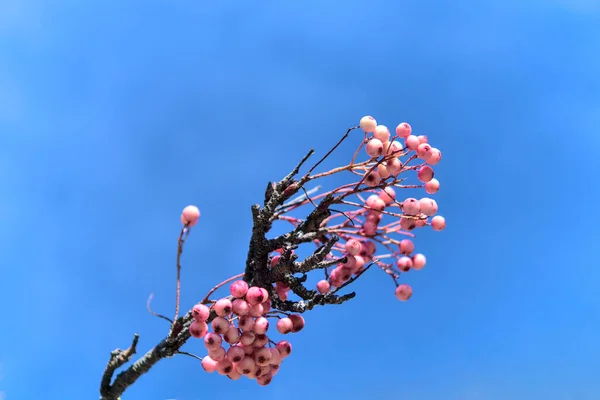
(240, 307)
(246, 366)
(261, 325)
(436, 156)
(394, 166)
(209, 364)
(428, 206)
(424, 151)
(223, 307)
(423, 139)
(403, 130)
(388, 195)
(406, 246)
(256, 310)
(198, 329)
(236, 354)
(353, 247)
(419, 261)
(403, 292)
(438, 223)
(374, 148)
(190, 216)
(411, 142)
(382, 133)
(247, 338)
(285, 348)
(297, 322)
(432, 186)
(394, 148)
(323, 286)
(238, 289)
(246, 323)
(411, 206)
(285, 326)
(375, 203)
(212, 341)
(425, 173)
(404, 263)
(200, 312)
(220, 325)
(224, 367)
(368, 124)
(217, 354)
(382, 170)
(372, 178)
(232, 336)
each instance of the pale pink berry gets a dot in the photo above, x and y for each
(428, 206)
(235, 354)
(220, 325)
(240, 307)
(334, 278)
(285, 348)
(190, 216)
(424, 151)
(283, 295)
(352, 246)
(343, 273)
(223, 307)
(266, 305)
(264, 380)
(425, 173)
(275, 356)
(234, 375)
(406, 246)
(372, 178)
(255, 296)
(411, 206)
(411, 142)
(246, 366)
(423, 139)
(438, 223)
(383, 172)
(198, 329)
(323, 286)
(247, 338)
(360, 263)
(368, 124)
(200, 312)
(382, 133)
(422, 221)
(224, 367)
(284, 326)
(403, 292)
(373, 216)
(350, 262)
(275, 261)
(404, 264)
(368, 248)
(403, 130)
(246, 323)
(232, 336)
(394, 166)
(297, 322)
(256, 310)
(419, 261)
(275, 369)
(395, 148)
(408, 224)
(374, 148)
(260, 340)
(238, 289)
(261, 325)
(265, 294)
(209, 364)
(369, 229)
(436, 156)
(265, 370)
(212, 341)
(249, 350)
(375, 203)
(388, 195)
(262, 357)
(432, 186)
(217, 354)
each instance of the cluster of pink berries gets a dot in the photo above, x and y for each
(241, 325)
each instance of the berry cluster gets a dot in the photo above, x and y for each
(241, 323)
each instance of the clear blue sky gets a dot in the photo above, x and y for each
(114, 115)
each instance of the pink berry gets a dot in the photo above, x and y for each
(285, 348)
(406, 246)
(297, 322)
(419, 261)
(261, 325)
(217, 354)
(275, 261)
(265, 294)
(425, 173)
(403, 130)
(200, 312)
(246, 323)
(428, 206)
(382, 133)
(284, 326)
(238, 289)
(255, 296)
(423, 139)
(368, 248)
(247, 338)
(388, 195)
(408, 224)
(247, 366)
(220, 325)
(232, 336)
(375, 203)
(212, 341)
(260, 340)
(411, 206)
(369, 229)
(236, 354)
(394, 166)
(198, 329)
(264, 380)
(438, 223)
(411, 142)
(209, 364)
(262, 357)
(190, 216)
(374, 148)
(343, 273)
(275, 356)
(224, 367)
(223, 307)
(234, 375)
(424, 151)
(395, 148)
(240, 307)
(256, 310)
(403, 292)
(368, 124)
(360, 263)
(436, 156)
(353, 247)
(372, 178)
(323, 286)
(382, 170)
(432, 186)
(350, 262)
(404, 264)
(249, 350)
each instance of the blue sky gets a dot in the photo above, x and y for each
(116, 115)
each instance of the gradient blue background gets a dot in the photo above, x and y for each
(115, 115)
